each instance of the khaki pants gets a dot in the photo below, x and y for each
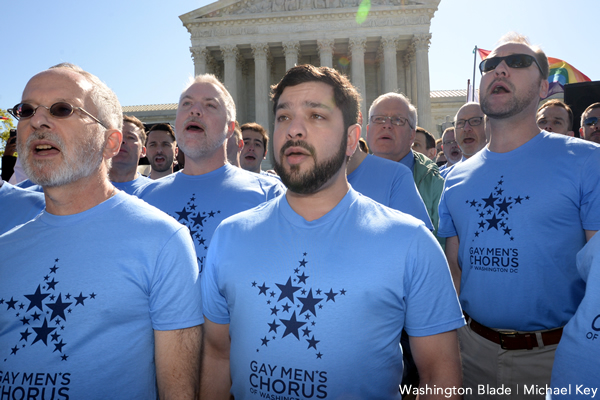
(488, 368)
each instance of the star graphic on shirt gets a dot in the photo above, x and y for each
(25, 335)
(80, 299)
(319, 355)
(302, 278)
(303, 262)
(14, 350)
(11, 304)
(309, 302)
(331, 295)
(493, 222)
(473, 203)
(42, 333)
(274, 310)
(489, 202)
(55, 337)
(292, 326)
(58, 346)
(25, 321)
(265, 341)
(58, 308)
(503, 207)
(263, 289)
(306, 332)
(92, 295)
(312, 342)
(273, 326)
(52, 284)
(507, 231)
(287, 290)
(199, 220)
(518, 200)
(53, 269)
(35, 300)
(64, 357)
(183, 214)
(211, 214)
(286, 307)
(343, 292)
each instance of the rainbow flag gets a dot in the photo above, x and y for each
(560, 74)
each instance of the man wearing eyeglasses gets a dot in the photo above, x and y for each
(470, 129)
(390, 134)
(515, 221)
(100, 292)
(590, 123)
(451, 150)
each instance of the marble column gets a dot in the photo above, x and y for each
(408, 74)
(230, 53)
(292, 52)
(389, 59)
(326, 47)
(357, 53)
(414, 96)
(241, 73)
(421, 43)
(261, 83)
(199, 55)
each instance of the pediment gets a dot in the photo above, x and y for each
(232, 8)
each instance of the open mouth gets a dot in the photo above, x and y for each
(250, 157)
(45, 149)
(468, 140)
(500, 89)
(159, 159)
(194, 126)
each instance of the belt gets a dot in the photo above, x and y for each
(513, 340)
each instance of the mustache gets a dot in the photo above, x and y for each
(297, 143)
(40, 135)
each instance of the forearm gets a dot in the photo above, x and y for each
(216, 378)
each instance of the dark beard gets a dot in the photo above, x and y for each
(311, 181)
(515, 106)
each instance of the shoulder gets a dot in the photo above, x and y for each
(242, 178)
(133, 211)
(373, 215)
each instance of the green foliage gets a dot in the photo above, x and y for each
(5, 126)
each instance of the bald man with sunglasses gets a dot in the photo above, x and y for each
(514, 222)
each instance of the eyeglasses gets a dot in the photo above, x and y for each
(382, 119)
(591, 121)
(59, 110)
(450, 143)
(513, 61)
(475, 121)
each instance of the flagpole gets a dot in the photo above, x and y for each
(474, 63)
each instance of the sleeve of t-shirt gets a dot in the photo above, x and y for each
(590, 192)
(175, 296)
(446, 227)
(432, 306)
(214, 304)
(406, 198)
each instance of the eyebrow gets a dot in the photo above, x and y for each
(307, 104)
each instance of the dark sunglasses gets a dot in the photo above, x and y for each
(591, 121)
(513, 61)
(57, 110)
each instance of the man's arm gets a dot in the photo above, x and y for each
(438, 361)
(216, 375)
(177, 358)
(589, 234)
(452, 244)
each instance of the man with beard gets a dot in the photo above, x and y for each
(208, 189)
(320, 314)
(161, 150)
(469, 129)
(123, 172)
(451, 150)
(515, 216)
(102, 290)
(590, 123)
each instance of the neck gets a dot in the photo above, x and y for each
(156, 175)
(315, 205)
(80, 195)
(509, 134)
(355, 160)
(123, 175)
(204, 165)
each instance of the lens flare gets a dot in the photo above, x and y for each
(343, 61)
(363, 11)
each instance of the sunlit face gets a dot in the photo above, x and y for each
(506, 92)
(309, 140)
(592, 132)
(201, 125)
(254, 150)
(554, 119)
(470, 138)
(56, 152)
(388, 140)
(160, 150)
(450, 147)
(132, 148)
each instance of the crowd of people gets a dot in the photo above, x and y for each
(382, 265)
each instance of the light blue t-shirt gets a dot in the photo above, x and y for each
(81, 296)
(576, 360)
(18, 206)
(131, 186)
(201, 202)
(520, 218)
(316, 308)
(391, 184)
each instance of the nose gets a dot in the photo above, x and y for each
(196, 110)
(501, 68)
(548, 128)
(296, 129)
(40, 117)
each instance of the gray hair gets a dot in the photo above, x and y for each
(213, 80)
(412, 111)
(104, 99)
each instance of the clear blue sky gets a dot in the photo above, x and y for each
(141, 49)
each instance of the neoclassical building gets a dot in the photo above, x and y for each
(249, 44)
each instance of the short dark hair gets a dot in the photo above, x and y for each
(253, 126)
(346, 97)
(587, 110)
(429, 139)
(137, 123)
(558, 103)
(362, 143)
(162, 127)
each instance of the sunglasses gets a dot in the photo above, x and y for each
(591, 121)
(513, 61)
(57, 110)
